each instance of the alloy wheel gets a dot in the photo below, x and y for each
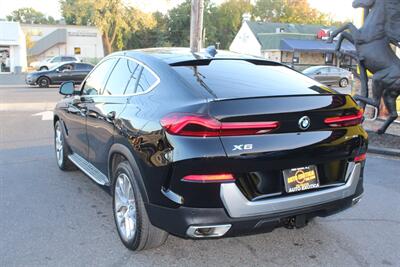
(125, 207)
(344, 83)
(59, 145)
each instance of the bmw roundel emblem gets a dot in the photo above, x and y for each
(304, 123)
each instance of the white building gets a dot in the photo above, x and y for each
(12, 47)
(63, 40)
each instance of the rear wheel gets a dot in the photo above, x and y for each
(343, 82)
(133, 225)
(61, 149)
(44, 68)
(44, 82)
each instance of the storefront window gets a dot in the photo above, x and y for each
(77, 50)
(4, 59)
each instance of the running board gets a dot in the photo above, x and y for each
(89, 169)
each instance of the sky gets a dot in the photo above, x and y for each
(339, 9)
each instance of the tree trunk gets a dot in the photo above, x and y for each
(106, 45)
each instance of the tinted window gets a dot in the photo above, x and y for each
(239, 78)
(147, 79)
(119, 78)
(95, 82)
(83, 67)
(135, 69)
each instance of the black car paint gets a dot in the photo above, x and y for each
(160, 160)
(58, 76)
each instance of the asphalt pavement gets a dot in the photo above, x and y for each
(54, 218)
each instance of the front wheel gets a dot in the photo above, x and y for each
(133, 225)
(44, 82)
(344, 83)
(61, 149)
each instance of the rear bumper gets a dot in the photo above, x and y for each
(263, 217)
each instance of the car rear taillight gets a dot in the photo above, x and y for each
(360, 158)
(209, 178)
(345, 121)
(198, 125)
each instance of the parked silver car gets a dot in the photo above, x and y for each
(52, 62)
(329, 75)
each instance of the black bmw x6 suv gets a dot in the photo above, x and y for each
(207, 147)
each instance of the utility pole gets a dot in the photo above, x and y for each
(196, 25)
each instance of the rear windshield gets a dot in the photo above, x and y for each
(239, 78)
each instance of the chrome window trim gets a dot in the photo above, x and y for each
(155, 84)
(238, 206)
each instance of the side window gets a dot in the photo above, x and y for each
(83, 67)
(66, 67)
(135, 70)
(56, 59)
(95, 82)
(147, 80)
(324, 71)
(119, 78)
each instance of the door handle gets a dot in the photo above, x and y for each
(111, 115)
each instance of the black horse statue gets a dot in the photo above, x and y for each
(374, 53)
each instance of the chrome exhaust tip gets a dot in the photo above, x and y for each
(208, 231)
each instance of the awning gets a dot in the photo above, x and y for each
(316, 46)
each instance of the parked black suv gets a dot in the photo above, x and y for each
(71, 71)
(207, 147)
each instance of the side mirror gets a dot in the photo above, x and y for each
(57, 70)
(318, 73)
(67, 88)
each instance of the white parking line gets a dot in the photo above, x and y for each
(41, 106)
(46, 115)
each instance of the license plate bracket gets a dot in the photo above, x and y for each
(301, 179)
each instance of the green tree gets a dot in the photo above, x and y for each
(152, 33)
(109, 16)
(229, 19)
(179, 24)
(289, 11)
(30, 16)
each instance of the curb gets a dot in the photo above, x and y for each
(384, 151)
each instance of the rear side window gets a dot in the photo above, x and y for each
(83, 67)
(119, 78)
(135, 70)
(146, 81)
(95, 82)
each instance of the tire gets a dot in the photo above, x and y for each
(344, 82)
(44, 82)
(43, 68)
(61, 149)
(130, 216)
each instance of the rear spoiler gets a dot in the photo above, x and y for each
(207, 61)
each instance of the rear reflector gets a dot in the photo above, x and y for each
(209, 178)
(203, 126)
(345, 121)
(361, 157)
